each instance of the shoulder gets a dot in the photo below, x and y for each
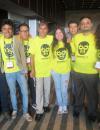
(50, 37)
(17, 41)
(1, 36)
(31, 40)
(36, 37)
(1, 39)
(78, 35)
(17, 38)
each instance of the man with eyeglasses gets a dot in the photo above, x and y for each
(26, 40)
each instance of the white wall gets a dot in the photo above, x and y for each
(17, 17)
(33, 24)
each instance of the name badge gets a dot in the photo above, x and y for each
(10, 64)
(28, 60)
(73, 58)
(97, 65)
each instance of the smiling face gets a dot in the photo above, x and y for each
(24, 32)
(43, 30)
(86, 25)
(59, 35)
(73, 28)
(7, 30)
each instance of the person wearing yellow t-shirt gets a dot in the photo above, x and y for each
(5, 103)
(41, 55)
(97, 36)
(85, 74)
(14, 67)
(26, 39)
(61, 68)
(73, 28)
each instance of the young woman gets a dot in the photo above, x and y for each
(61, 68)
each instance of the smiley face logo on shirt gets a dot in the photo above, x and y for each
(61, 53)
(8, 50)
(45, 50)
(26, 49)
(83, 47)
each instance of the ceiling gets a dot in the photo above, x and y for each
(12, 7)
(80, 4)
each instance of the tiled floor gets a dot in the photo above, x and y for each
(50, 121)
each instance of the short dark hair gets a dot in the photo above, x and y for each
(7, 22)
(84, 17)
(72, 22)
(23, 24)
(43, 22)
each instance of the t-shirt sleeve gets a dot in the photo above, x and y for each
(1, 39)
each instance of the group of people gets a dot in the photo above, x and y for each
(32, 61)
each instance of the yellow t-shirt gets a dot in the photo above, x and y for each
(60, 59)
(1, 35)
(27, 53)
(6, 48)
(84, 48)
(41, 49)
(98, 54)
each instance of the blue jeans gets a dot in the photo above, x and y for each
(11, 80)
(61, 85)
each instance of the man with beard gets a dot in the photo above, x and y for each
(85, 75)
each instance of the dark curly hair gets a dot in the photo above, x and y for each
(7, 22)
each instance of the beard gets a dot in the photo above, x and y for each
(86, 30)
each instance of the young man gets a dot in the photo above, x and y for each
(41, 55)
(73, 27)
(26, 39)
(85, 74)
(14, 66)
(73, 30)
